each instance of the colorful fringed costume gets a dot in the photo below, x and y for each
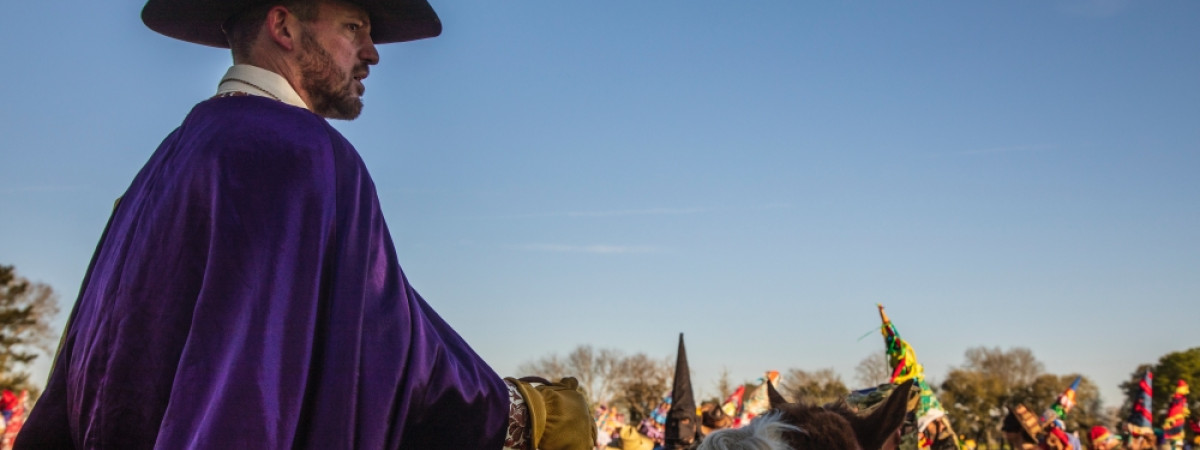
(1177, 413)
(1139, 421)
(1052, 420)
(903, 360)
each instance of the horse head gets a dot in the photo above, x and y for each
(800, 426)
(836, 426)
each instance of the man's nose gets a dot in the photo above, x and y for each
(368, 52)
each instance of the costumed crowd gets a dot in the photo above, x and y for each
(927, 425)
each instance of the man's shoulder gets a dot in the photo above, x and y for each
(256, 114)
(262, 123)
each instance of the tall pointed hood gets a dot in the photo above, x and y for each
(903, 361)
(1062, 406)
(1139, 421)
(682, 422)
(1177, 413)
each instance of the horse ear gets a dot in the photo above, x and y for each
(874, 430)
(773, 395)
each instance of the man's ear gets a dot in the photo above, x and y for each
(874, 430)
(283, 27)
(774, 396)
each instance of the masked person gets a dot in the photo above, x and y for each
(246, 292)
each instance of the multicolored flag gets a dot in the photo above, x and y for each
(659, 414)
(756, 401)
(733, 403)
(903, 360)
(1177, 413)
(1139, 421)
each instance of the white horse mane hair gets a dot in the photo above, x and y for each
(764, 433)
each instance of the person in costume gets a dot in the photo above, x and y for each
(682, 430)
(933, 426)
(1021, 428)
(1103, 439)
(246, 294)
(713, 418)
(1139, 431)
(1177, 413)
(1052, 420)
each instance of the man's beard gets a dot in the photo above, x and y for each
(330, 91)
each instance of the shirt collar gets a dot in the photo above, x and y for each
(261, 82)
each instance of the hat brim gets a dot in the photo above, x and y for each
(200, 21)
(1029, 422)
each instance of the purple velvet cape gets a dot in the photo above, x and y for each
(246, 295)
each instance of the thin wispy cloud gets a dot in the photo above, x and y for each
(647, 211)
(617, 213)
(769, 206)
(1093, 8)
(1009, 149)
(603, 249)
(24, 189)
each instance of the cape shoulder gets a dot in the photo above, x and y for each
(278, 146)
(258, 124)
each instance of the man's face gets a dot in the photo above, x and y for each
(1137, 442)
(335, 52)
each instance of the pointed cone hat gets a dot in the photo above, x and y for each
(1139, 421)
(1177, 414)
(1063, 405)
(682, 422)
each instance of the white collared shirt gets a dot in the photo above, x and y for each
(261, 82)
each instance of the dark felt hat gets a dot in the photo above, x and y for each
(200, 21)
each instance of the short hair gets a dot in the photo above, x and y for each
(242, 28)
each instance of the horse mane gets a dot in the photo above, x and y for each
(800, 426)
(764, 433)
(829, 427)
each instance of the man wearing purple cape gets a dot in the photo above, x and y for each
(246, 293)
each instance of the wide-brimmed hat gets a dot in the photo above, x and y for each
(1028, 420)
(200, 21)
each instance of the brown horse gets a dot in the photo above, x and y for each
(799, 426)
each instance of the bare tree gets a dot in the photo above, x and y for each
(641, 383)
(873, 370)
(26, 309)
(595, 370)
(550, 367)
(1014, 367)
(724, 385)
(818, 388)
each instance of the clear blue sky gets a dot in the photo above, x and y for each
(756, 175)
